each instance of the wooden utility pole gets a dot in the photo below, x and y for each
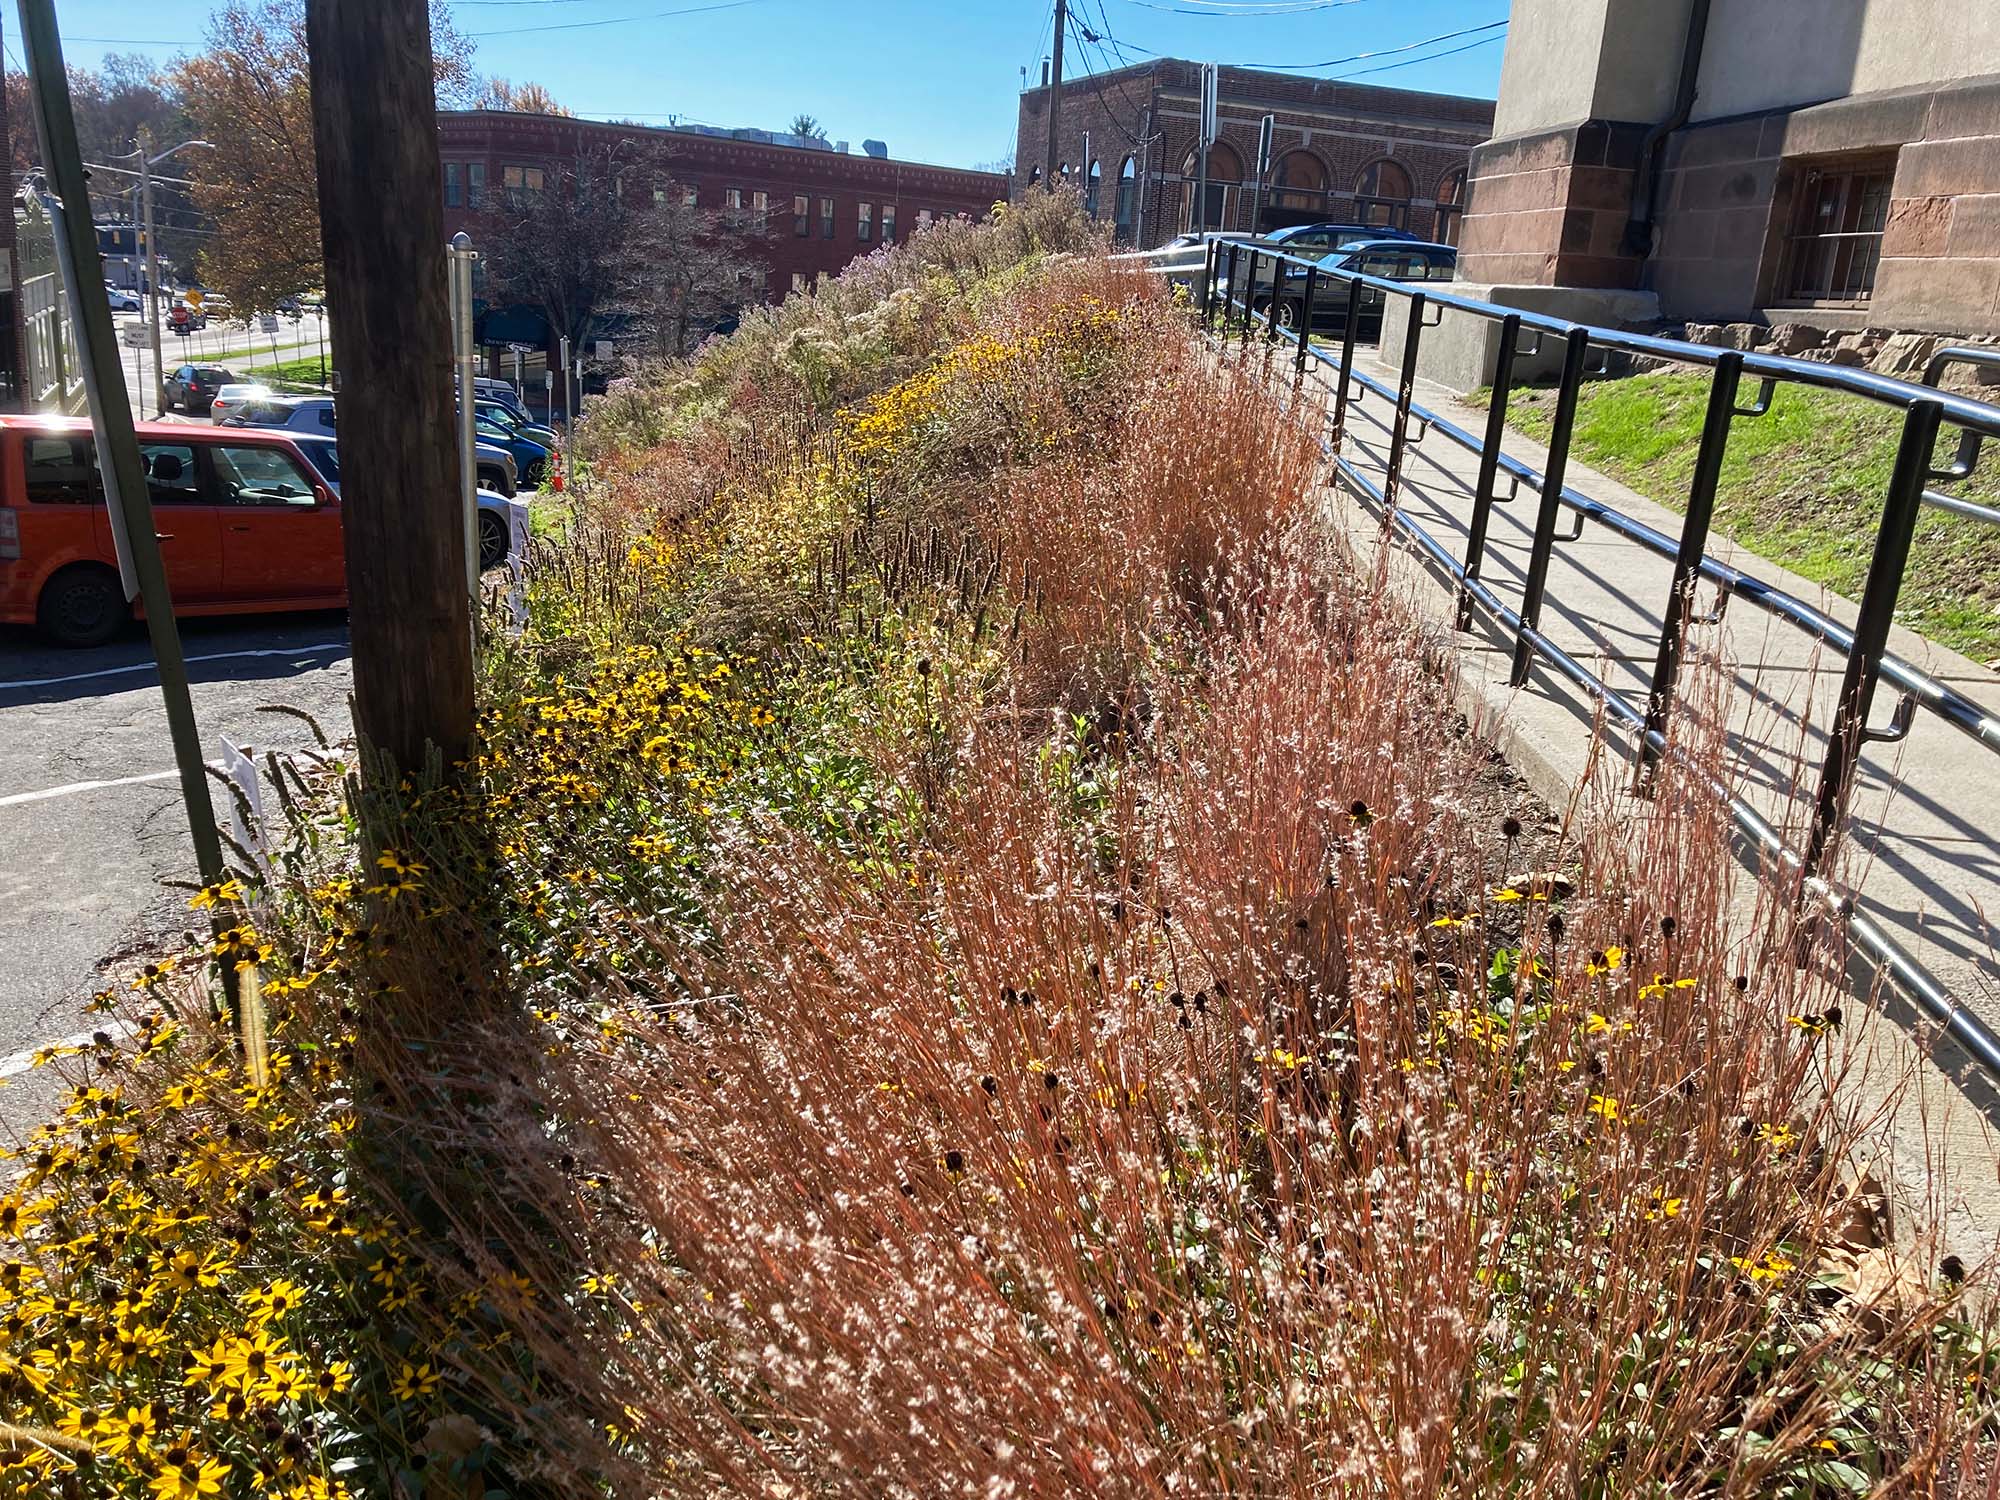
(381, 216)
(1055, 98)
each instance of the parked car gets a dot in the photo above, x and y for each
(488, 388)
(301, 415)
(496, 511)
(193, 387)
(290, 307)
(1391, 260)
(245, 523)
(231, 398)
(531, 459)
(496, 411)
(1303, 239)
(122, 299)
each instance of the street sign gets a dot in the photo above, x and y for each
(603, 353)
(268, 323)
(1210, 125)
(192, 297)
(133, 335)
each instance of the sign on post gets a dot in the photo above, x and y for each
(133, 335)
(267, 323)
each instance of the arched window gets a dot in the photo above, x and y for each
(1302, 182)
(1034, 176)
(1451, 206)
(1383, 195)
(1091, 182)
(1128, 200)
(1225, 181)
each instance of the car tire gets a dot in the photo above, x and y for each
(493, 540)
(82, 606)
(495, 479)
(1290, 315)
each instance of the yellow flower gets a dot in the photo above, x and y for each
(413, 1381)
(131, 1433)
(249, 1360)
(283, 1385)
(241, 946)
(1605, 961)
(1605, 1106)
(19, 1215)
(272, 1303)
(333, 1379)
(185, 1474)
(1657, 990)
(188, 1271)
(216, 892)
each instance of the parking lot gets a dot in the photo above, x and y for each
(91, 821)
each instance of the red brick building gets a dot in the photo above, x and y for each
(815, 208)
(1340, 151)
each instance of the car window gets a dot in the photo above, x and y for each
(1379, 264)
(326, 417)
(61, 471)
(259, 476)
(171, 478)
(1441, 267)
(324, 457)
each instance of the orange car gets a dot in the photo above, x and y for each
(245, 525)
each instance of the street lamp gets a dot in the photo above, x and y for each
(146, 164)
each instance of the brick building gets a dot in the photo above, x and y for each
(1829, 161)
(1340, 151)
(813, 208)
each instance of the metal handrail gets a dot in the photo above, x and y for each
(1927, 411)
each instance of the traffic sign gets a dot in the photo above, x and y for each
(192, 297)
(267, 323)
(133, 335)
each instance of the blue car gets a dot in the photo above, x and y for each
(496, 512)
(530, 457)
(1317, 239)
(505, 415)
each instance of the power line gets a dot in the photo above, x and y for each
(658, 15)
(1246, 12)
(1429, 41)
(1412, 62)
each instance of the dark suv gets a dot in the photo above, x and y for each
(192, 387)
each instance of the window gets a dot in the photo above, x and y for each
(732, 199)
(690, 196)
(1383, 195)
(1225, 177)
(326, 458)
(826, 218)
(864, 223)
(1451, 206)
(923, 218)
(61, 471)
(1301, 182)
(1093, 180)
(760, 211)
(475, 184)
(1836, 238)
(520, 183)
(1127, 202)
(259, 476)
(454, 185)
(802, 217)
(171, 478)
(888, 223)
(798, 281)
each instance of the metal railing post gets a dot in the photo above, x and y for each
(1346, 366)
(1489, 462)
(1208, 258)
(1687, 561)
(1406, 389)
(1871, 629)
(1306, 318)
(1576, 348)
(1229, 287)
(1249, 289)
(1271, 307)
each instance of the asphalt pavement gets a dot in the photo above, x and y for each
(91, 821)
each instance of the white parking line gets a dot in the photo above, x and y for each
(82, 786)
(146, 666)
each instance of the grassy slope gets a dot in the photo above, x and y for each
(1801, 486)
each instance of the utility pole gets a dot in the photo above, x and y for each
(1145, 170)
(381, 223)
(461, 256)
(1055, 96)
(152, 270)
(137, 545)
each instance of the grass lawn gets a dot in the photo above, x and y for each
(1802, 486)
(302, 372)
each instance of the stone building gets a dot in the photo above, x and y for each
(1828, 161)
(1341, 151)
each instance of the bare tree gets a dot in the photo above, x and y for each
(805, 125)
(524, 99)
(611, 236)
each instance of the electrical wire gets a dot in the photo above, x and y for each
(1334, 62)
(658, 15)
(1484, 41)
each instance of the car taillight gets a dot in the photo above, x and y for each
(215, 407)
(10, 536)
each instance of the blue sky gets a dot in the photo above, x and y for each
(936, 79)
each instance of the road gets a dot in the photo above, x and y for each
(295, 341)
(91, 821)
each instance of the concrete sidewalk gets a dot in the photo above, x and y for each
(1921, 847)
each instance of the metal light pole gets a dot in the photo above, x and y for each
(569, 393)
(146, 165)
(460, 255)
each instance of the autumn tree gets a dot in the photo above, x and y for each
(689, 267)
(249, 92)
(524, 99)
